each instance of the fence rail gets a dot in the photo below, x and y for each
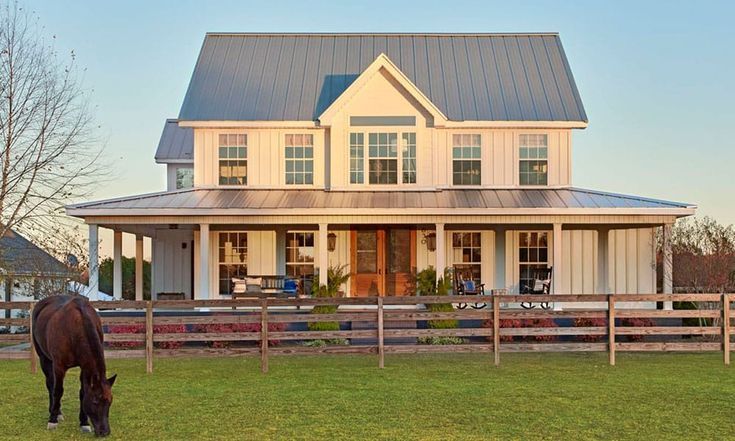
(388, 325)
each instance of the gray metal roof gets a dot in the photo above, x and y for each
(469, 77)
(212, 200)
(176, 144)
(19, 256)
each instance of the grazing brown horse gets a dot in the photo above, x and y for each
(67, 332)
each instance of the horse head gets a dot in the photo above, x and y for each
(96, 403)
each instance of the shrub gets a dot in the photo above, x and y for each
(215, 328)
(126, 329)
(140, 329)
(526, 323)
(426, 282)
(638, 323)
(442, 289)
(539, 323)
(336, 277)
(441, 340)
(169, 329)
(504, 323)
(590, 322)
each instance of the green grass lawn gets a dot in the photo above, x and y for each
(447, 396)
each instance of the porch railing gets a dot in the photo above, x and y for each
(383, 325)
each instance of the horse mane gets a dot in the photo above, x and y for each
(94, 340)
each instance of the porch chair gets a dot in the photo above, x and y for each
(464, 285)
(540, 284)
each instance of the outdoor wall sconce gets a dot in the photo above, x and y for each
(430, 241)
(331, 242)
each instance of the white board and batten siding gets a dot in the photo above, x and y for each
(382, 96)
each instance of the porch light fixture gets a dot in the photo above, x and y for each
(331, 242)
(430, 241)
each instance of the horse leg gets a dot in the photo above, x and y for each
(48, 372)
(83, 420)
(58, 392)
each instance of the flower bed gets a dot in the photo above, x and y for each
(140, 329)
(525, 323)
(214, 328)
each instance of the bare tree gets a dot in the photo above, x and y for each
(48, 156)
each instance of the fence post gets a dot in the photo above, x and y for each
(611, 327)
(264, 335)
(496, 329)
(149, 337)
(34, 359)
(381, 348)
(726, 328)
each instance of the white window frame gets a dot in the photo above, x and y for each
(462, 146)
(295, 159)
(220, 263)
(366, 131)
(549, 251)
(290, 263)
(460, 249)
(535, 159)
(220, 159)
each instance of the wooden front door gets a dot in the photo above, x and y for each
(383, 261)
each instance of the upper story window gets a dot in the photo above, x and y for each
(299, 159)
(357, 158)
(233, 159)
(386, 163)
(184, 178)
(534, 159)
(466, 160)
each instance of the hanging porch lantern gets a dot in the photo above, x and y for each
(430, 241)
(331, 242)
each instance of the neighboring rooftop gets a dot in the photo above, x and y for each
(481, 201)
(469, 77)
(19, 256)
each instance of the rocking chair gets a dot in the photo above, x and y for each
(540, 284)
(465, 286)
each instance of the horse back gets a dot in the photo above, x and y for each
(63, 324)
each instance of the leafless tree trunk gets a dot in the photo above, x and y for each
(48, 156)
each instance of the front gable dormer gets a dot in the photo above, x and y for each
(382, 90)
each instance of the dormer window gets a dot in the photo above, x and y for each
(233, 159)
(299, 159)
(534, 159)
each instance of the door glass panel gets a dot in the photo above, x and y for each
(399, 251)
(367, 252)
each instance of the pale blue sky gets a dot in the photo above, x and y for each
(656, 78)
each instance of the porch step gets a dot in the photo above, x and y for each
(388, 324)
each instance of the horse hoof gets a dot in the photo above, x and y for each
(52, 426)
(86, 429)
(60, 418)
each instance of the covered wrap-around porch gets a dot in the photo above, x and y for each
(606, 246)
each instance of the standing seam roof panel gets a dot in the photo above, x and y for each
(468, 77)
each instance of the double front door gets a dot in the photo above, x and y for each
(383, 261)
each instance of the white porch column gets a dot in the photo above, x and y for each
(668, 266)
(556, 277)
(94, 262)
(138, 267)
(323, 254)
(441, 249)
(117, 265)
(203, 261)
(602, 260)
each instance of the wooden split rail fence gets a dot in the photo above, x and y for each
(391, 325)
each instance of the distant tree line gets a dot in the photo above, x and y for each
(703, 256)
(128, 277)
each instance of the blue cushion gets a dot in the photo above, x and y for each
(290, 286)
(469, 285)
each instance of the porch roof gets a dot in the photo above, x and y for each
(238, 201)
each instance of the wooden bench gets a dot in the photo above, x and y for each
(269, 286)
